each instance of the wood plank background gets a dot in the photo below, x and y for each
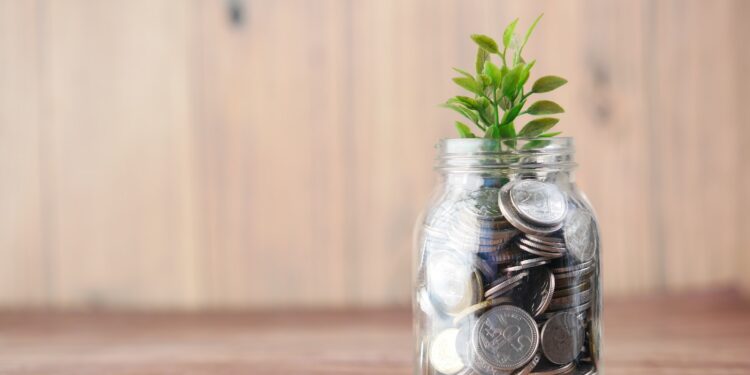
(206, 154)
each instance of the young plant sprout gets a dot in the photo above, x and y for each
(498, 92)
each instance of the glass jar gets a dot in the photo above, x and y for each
(507, 263)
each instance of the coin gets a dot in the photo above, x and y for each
(541, 246)
(505, 337)
(510, 213)
(502, 256)
(526, 264)
(539, 202)
(449, 281)
(443, 354)
(424, 303)
(573, 267)
(552, 241)
(562, 338)
(580, 235)
(503, 284)
(536, 293)
(566, 302)
(546, 254)
(572, 290)
(579, 273)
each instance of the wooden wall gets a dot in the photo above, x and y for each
(204, 154)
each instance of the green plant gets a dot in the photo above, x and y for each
(498, 91)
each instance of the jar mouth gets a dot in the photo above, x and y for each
(520, 153)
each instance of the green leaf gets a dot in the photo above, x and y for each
(491, 70)
(485, 80)
(528, 33)
(548, 83)
(464, 73)
(513, 112)
(505, 103)
(487, 43)
(536, 127)
(550, 135)
(469, 114)
(507, 130)
(525, 73)
(486, 111)
(464, 130)
(482, 57)
(544, 107)
(508, 33)
(510, 82)
(493, 132)
(466, 101)
(469, 84)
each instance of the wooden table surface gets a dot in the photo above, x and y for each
(699, 334)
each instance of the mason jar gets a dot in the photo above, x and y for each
(507, 255)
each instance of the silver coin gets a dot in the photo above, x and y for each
(506, 290)
(541, 246)
(552, 241)
(580, 235)
(487, 268)
(444, 354)
(562, 292)
(566, 302)
(575, 310)
(579, 273)
(502, 256)
(425, 303)
(505, 337)
(536, 293)
(449, 281)
(542, 253)
(517, 221)
(573, 267)
(501, 285)
(539, 202)
(562, 338)
(526, 264)
(564, 283)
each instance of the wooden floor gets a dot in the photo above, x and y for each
(703, 334)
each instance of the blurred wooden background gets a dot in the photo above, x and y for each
(191, 154)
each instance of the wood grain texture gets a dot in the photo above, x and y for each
(118, 147)
(22, 180)
(200, 154)
(672, 335)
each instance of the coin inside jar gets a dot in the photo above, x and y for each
(562, 338)
(580, 235)
(443, 353)
(449, 281)
(505, 338)
(536, 293)
(510, 212)
(540, 202)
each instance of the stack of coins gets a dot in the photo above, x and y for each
(508, 282)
